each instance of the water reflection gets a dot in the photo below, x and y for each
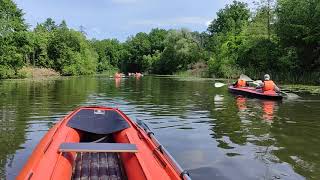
(268, 110)
(117, 82)
(268, 107)
(241, 103)
(209, 131)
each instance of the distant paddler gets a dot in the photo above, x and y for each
(242, 81)
(117, 75)
(138, 75)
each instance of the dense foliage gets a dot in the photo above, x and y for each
(278, 37)
(49, 45)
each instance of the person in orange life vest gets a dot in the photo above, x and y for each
(269, 85)
(240, 83)
(117, 75)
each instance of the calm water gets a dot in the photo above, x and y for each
(210, 132)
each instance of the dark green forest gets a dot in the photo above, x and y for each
(278, 37)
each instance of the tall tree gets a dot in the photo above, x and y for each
(156, 38)
(136, 46)
(226, 36)
(11, 18)
(109, 52)
(181, 50)
(49, 25)
(71, 53)
(230, 19)
(13, 39)
(298, 28)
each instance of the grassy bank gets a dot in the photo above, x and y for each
(109, 73)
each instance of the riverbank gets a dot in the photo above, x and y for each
(36, 73)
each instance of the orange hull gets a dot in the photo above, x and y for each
(46, 162)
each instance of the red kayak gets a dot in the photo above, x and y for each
(255, 93)
(100, 143)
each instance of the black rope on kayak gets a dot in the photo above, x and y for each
(149, 133)
(185, 172)
(160, 148)
(99, 140)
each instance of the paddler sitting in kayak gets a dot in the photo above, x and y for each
(240, 83)
(117, 75)
(268, 85)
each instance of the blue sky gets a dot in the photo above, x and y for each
(122, 18)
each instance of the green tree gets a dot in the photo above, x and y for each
(259, 49)
(136, 47)
(298, 28)
(156, 38)
(13, 39)
(227, 36)
(181, 50)
(230, 19)
(41, 38)
(71, 53)
(50, 25)
(109, 52)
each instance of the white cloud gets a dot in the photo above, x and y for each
(192, 20)
(208, 22)
(96, 30)
(124, 1)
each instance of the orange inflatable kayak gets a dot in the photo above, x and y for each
(100, 143)
(255, 93)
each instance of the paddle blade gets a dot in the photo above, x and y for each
(245, 77)
(219, 84)
(291, 96)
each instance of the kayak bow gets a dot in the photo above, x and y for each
(100, 143)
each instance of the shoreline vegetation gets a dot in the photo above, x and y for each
(36, 73)
(47, 74)
(277, 37)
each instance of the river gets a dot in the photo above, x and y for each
(210, 132)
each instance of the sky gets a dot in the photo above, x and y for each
(119, 19)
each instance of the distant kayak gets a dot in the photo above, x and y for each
(255, 93)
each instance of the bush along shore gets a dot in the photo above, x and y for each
(278, 37)
(36, 73)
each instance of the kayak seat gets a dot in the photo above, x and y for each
(98, 147)
(98, 160)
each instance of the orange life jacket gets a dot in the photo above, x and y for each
(241, 83)
(268, 85)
